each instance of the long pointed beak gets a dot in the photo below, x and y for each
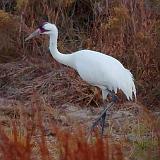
(35, 33)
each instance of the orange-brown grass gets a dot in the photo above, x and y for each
(127, 30)
(19, 140)
(42, 145)
(70, 147)
(34, 135)
(75, 146)
(14, 146)
(24, 140)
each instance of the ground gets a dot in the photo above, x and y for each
(62, 99)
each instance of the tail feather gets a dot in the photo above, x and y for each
(134, 90)
(128, 86)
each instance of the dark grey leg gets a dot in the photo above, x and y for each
(101, 119)
(103, 123)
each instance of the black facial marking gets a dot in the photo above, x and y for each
(41, 27)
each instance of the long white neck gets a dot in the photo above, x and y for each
(65, 59)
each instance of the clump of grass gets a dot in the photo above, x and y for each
(8, 41)
(75, 146)
(15, 145)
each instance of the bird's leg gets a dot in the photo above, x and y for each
(114, 98)
(103, 123)
(101, 119)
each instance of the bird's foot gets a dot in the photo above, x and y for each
(101, 119)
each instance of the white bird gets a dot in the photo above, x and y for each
(96, 68)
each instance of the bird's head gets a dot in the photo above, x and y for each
(44, 28)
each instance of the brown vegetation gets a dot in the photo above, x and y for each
(128, 30)
(35, 134)
(25, 138)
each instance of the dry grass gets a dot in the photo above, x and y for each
(52, 84)
(127, 30)
(36, 132)
(26, 138)
(75, 146)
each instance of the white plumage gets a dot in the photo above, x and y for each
(96, 68)
(105, 72)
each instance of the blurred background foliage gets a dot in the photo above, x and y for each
(126, 29)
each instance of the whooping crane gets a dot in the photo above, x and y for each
(96, 68)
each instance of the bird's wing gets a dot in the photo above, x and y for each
(104, 71)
